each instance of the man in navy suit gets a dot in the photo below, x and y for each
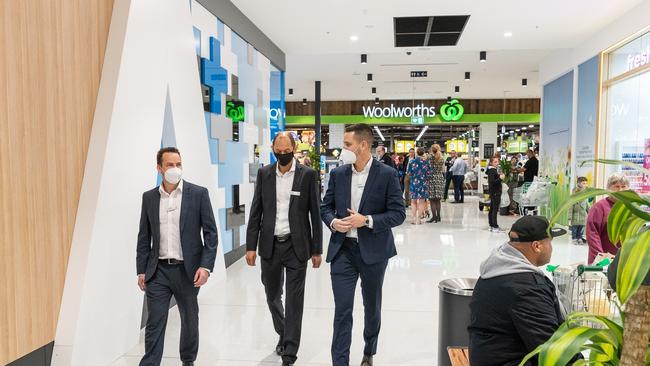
(362, 204)
(171, 257)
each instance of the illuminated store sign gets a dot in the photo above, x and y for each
(452, 111)
(635, 61)
(235, 110)
(393, 112)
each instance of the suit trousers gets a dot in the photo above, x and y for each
(287, 324)
(171, 279)
(448, 178)
(459, 189)
(407, 190)
(346, 268)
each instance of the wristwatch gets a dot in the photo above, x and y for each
(367, 222)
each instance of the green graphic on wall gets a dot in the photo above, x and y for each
(235, 110)
(452, 111)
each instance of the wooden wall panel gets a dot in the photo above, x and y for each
(50, 68)
(472, 106)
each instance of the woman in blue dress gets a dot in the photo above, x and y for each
(419, 170)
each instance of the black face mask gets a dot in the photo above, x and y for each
(284, 159)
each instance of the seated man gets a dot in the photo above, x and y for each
(514, 306)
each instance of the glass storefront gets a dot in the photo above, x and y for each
(626, 127)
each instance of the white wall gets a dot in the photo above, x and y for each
(151, 50)
(563, 61)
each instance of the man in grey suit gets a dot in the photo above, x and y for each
(285, 226)
(171, 257)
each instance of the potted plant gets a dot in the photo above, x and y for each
(610, 342)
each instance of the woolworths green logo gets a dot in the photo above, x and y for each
(452, 111)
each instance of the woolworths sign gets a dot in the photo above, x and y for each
(451, 111)
(396, 112)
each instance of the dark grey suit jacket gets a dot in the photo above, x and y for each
(196, 216)
(306, 236)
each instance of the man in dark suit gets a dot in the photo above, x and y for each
(449, 176)
(362, 204)
(380, 151)
(171, 257)
(287, 196)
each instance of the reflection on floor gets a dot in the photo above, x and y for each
(236, 328)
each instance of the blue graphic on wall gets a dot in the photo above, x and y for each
(588, 75)
(214, 76)
(277, 109)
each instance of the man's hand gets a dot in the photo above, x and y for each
(356, 220)
(201, 277)
(341, 226)
(141, 284)
(502, 176)
(251, 257)
(316, 259)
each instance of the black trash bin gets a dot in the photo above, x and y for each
(453, 315)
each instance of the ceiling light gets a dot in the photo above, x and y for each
(457, 89)
(467, 75)
(524, 128)
(374, 90)
(381, 136)
(517, 130)
(354, 38)
(304, 101)
(448, 99)
(524, 82)
(507, 34)
(364, 59)
(370, 78)
(290, 92)
(483, 56)
(376, 100)
(421, 133)
(531, 126)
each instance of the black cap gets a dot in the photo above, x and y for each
(532, 228)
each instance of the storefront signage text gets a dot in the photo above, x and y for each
(635, 61)
(393, 112)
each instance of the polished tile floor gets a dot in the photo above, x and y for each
(236, 327)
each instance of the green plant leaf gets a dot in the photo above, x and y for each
(564, 345)
(633, 201)
(531, 355)
(616, 221)
(632, 228)
(616, 330)
(628, 164)
(634, 264)
(578, 197)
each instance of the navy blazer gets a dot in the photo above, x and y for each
(196, 216)
(382, 199)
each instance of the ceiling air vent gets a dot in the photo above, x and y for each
(429, 31)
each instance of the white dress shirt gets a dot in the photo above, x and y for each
(359, 179)
(283, 187)
(170, 220)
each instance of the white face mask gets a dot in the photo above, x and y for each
(347, 156)
(173, 175)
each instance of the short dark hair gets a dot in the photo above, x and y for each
(411, 149)
(362, 131)
(163, 151)
(582, 179)
(420, 151)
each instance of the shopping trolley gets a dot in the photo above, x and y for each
(586, 289)
(532, 196)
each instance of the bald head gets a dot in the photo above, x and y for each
(283, 143)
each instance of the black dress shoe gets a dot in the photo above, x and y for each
(287, 363)
(188, 363)
(366, 361)
(279, 350)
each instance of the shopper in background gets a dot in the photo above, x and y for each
(436, 182)
(174, 262)
(531, 168)
(449, 162)
(458, 171)
(514, 306)
(362, 205)
(401, 170)
(513, 183)
(495, 190)
(597, 237)
(578, 214)
(407, 177)
(284, 224)
(419, 171)
(380, 151)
